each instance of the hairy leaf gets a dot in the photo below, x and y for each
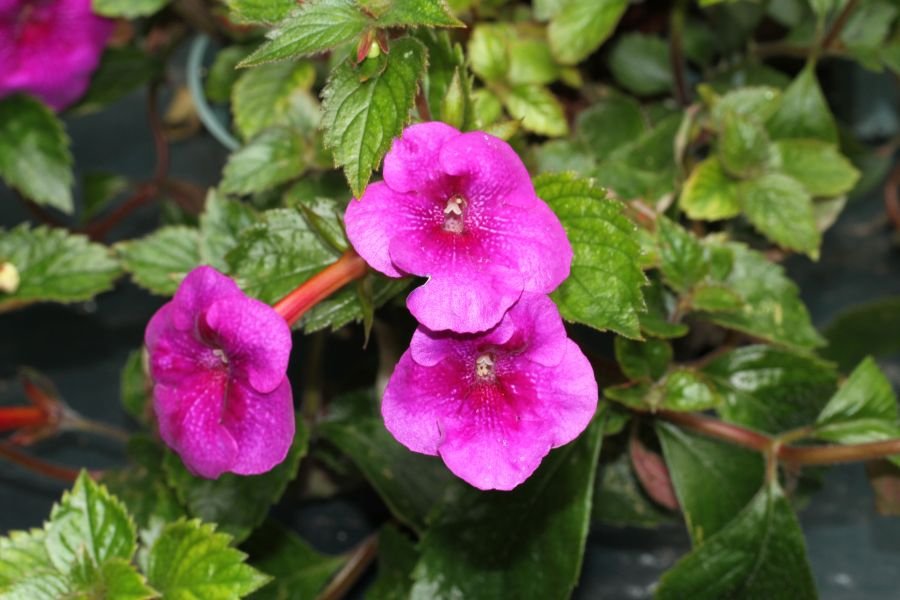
(161, 260)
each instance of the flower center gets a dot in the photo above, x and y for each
(484, 367)
(220, 354)
(453, 214)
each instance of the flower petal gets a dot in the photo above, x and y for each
(199, 289)
(261, 424)
(176, 354)
(413, 161)
(489, 170)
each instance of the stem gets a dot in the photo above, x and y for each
(16, 417)
(826, 455)
(79, 423)
(9, 452)
(892, 198)
(360, 559)
(838, 25)
(676, 52)
(348, 267)
(720, 430)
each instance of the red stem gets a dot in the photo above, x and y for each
(16, 417)
(37, 465)
(347, 268)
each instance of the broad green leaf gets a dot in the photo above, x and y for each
(715, 298)
(760, 554)
(316, 26)
(22, 553)
(643, 360)
(580, 27)
(127, 8)
(530, 62)
(270, 159)
(491, 544)
(412, 13)
(752, 102)
(772, 307)
(714, 481)
(221, 223)
(348, 305)
(620, 500)
(803, 111)
(866, 29)
(769, 389)
(409, 483)
(682, 389)
(397, 557)
(160, 261)
(191, 560)
(115, 579)
(299, 571)
(34, 152)
(275, 95)
(55, 266)
(818, 166)
(237, 504)
(261, 11)
(683, 262)
(40, 585)
(604, 287)
(863, 330)
(640, 63)
(609, 124)
(743, 147)
(276, 255)
(488, 51)
(362, 117)
(88, 519)
(781, 209)
(121, 71)
(537, 108)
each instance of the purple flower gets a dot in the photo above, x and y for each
(492, 405)
(459, 208)
(218, 361)
(49, 48)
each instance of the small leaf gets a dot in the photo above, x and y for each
(803, 111)
(760, 554)
(862, 330)
(411, 13)
(715, 298)
(743, 147)
(191, 560)
(397, 557)
(273, 157)
(604, 287)
(446, 65)
(127, 8)
(682, 260)
(135, 387)
(609, 124)
(818, 166)
(261, 11)
(223, 73)
(116, 578)
(751, 102)
(275, 95)
(709, 194)
(537, 108)
(221, 223)
(781, 209)
(488, 51)
(579, 28)
(687, 390)
(160, 261)
(34, 152)
(530, 62)
(643, 360)
(656, 321)
(362, 117)
(640, 63)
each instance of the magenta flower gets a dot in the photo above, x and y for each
(49, 48)
(459, 208)
(218, 361)
(492, 405)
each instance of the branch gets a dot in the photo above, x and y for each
(835, 31)
(11, 453)
(676, 53)
(360, 559)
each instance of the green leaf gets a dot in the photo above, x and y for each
(769, 389)
(781, 209)
(34, 152)
(121, 71)
(221, 223)
(604, 287)
(446, 65)
(275, 95)
(127, 8)
(397, 557)
(682, 389)
(610, 124)
(273, 157)
(160, 261)
(491, 544)
(743, 147)
(752, 102)
(88, 519)
(274, 256)
(348, 305)
(640, 63)
(236, 503)
(817, 165)
(363, 116)
(683, 262)
(135, 387)
(656, 321)
(579, 28)
(316, 26)
(409, 483)
(760, 554)
(713, 480)
(537, 108)
(116, 579)
(191, 560)
(99, 190)
(22, 553)
(862, 330)
(411, 13)
(619, 499)
(709, 194)
(643, 360)
(803, 111)
(530, 62)
(299, 571)
(488, 51)
(261, 11)
(867, 28)
(41, 585)
(715, 298)
(54, 266)
(772, 307)
(223, 73)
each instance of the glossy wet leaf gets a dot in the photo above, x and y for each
(803, 111)
(159, 261)
(743, 145)
(682, 259)
(397, 557)
(537, 108)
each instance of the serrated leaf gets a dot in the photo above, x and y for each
(491, 544)
(55, 266)
(299, 571)
(803, 111)
(363, 117)
(769, 389)
(643, 360)
(274, 256)
(273, 157)
(743, 147)
(411, 13)
(115, 579)
(488, 51)
(127, 8)
(34, 152)
(161, 260)
(537, 108)
(781, 209)
(237, 504)
(397, 557)
(88, 519)
(316, 26)
(640, 63)
(604, 287)
(862, 330)
(348, 306)
(261, 11)
(578, 28)
(709, 194)
(817, 165)
(760, 554)
(40, 585)
(682, 259)
(221, 223)
(121, 71)
(191, 560)
(610, 124)
(713, 480)
(273, 95)
(22, 553)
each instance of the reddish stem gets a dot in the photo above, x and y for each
(892, 198)
(9, 452)
(348, 267)
(16, 417)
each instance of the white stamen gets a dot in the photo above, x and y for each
(454, 206)
(484, 366)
